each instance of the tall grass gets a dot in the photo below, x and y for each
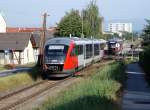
(19, 79)
(97, 92)
(10, 82)
(2, 68)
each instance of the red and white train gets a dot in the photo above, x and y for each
(64, 56)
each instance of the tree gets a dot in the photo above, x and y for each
(146, 31)
(127, 35)
(145, 55)
(70, 24)
(91, 20)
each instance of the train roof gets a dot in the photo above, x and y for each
(115, 40)
(67, 40)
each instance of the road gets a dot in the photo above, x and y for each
(14, 71)
(137, 93)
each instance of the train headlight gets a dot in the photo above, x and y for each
(61, 61)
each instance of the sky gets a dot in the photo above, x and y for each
(28, 13)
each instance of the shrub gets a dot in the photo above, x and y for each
(145, 59)
(10, 66)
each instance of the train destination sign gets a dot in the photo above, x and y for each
(56, 47)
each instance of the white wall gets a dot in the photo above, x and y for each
(2, 25)
(1, 58)
(120, 27)
(28, 54)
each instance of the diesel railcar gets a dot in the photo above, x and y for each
(64, 56)
(115, 46)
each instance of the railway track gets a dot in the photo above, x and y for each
(10, 101)
(21, 90)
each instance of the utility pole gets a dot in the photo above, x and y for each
(42, 41)
(82, 35)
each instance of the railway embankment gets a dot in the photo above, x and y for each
(98, 91)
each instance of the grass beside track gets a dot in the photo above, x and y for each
(97, 92)
(2, 68)
(17, 80)
(10, 82)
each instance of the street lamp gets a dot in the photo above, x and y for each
(132, 48)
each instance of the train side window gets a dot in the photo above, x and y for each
(80, 49)
(96, 49)
(91, 50)
(88, 51)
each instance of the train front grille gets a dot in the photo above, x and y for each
(55, 68)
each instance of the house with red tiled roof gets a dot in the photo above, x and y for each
(27, 29)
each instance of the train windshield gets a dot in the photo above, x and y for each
(56, 50)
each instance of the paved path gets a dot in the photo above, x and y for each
(137, 93)
(13, 71)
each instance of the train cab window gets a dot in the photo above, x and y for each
(56, 50)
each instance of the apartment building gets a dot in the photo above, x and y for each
(119, 27)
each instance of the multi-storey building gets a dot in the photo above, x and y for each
(119, 27)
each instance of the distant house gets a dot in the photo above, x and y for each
(19, 48)
(2, 24)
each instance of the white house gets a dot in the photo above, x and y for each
(19, 48)
(16, 48)
(2, 24)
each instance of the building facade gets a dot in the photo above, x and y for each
(119, 27)
(2, 24)
(20, 47)
(16, 48)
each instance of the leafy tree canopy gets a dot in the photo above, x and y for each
(70, 24)
(92, 21)
(89, 23)
(146, 31)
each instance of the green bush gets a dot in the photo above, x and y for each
(146, 43)
(145, 59)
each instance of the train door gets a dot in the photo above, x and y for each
(84, 52)
(80, 56)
